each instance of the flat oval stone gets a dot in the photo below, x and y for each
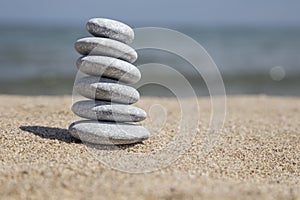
(106, 89)
(102, 110)
(105, 47)
(108, 133)
(109, 67)
(101, 27)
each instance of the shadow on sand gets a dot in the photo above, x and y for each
(65, 136)
(51, 133)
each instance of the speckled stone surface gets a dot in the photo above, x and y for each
(108, 132)
(105, 47)
(116, 30)
(109, 67)
(106, 89)
(102, 110)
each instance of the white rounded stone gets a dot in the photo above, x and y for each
(106, 89)
(106, 111)
(109, 67)
(101, 27)
(108, 133)
(105, 47)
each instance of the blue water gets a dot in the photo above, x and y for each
(41, 60)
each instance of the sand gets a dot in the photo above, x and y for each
(256, 154)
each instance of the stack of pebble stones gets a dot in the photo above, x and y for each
(107, 61)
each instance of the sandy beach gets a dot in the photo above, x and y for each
(256, 154)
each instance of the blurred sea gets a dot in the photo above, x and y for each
(41, 60)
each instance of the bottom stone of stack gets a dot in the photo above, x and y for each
(108, 133)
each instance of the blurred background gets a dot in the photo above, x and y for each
(255, 44)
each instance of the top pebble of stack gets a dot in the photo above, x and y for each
(112, 29)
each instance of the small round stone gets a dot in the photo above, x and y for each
(109, 67)
(106, 89)
(102, 110)
(105, 47)
(108, 133)
(101, 27)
